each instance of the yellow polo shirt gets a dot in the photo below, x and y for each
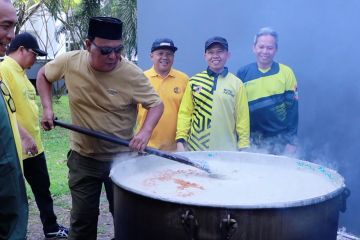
(24, 94)
(171, 90)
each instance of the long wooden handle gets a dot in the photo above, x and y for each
(114, 139)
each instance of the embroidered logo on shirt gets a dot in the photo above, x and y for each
(112, 92)
(197, 89)
(176, 90)
(229, 92)
(30, 94)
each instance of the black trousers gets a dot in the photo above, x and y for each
(36, 174)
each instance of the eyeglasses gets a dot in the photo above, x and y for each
(108, 50)
(35, 53)
(30, 50)
(6, 93)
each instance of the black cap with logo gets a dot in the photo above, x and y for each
(163, 43)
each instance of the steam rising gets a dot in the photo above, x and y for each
(318, 40)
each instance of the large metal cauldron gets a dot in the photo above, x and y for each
(261, 197)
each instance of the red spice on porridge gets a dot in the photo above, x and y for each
(185, 184)
(183, 187)
(168, 175)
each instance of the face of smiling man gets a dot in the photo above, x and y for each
(216, 56)
(265, 49)
(163, 60)
(7, 24)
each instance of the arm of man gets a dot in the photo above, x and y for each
(184, 119)
(242, 119)
(292, 112)
(28, 143)
(140, 140)
(290, 136)
(44, 88)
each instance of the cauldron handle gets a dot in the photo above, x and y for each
(228, 227)
(190, 224)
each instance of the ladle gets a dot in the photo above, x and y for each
(110, 138)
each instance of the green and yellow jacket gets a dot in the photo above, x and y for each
(214, 113)
(273, 100)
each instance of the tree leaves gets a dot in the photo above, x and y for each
(75, 14)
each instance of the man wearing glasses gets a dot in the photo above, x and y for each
(13, 201)
(21, 55)
(104, 90)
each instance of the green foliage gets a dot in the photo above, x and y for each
(57, 144)
(74, 16)
(126, 10)
(25, 9)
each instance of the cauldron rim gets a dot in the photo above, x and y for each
(279, 205)
(273, 205)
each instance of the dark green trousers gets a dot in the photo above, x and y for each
(86, 178)
(13, 201)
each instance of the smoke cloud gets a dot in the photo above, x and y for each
(317, 39)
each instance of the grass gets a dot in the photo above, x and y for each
(56, 144)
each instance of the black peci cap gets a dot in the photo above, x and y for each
(219, 40)
(105, 27)
(163, 43)
(26, 40)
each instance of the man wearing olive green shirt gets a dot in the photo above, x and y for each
(13, 201)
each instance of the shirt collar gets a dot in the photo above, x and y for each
(211, 73)
(153, 73)
(13, 64)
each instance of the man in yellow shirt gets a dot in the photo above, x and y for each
(22, 54)
(13, 201)
(170, 84)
